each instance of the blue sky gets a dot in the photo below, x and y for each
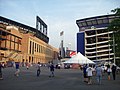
(59, 15)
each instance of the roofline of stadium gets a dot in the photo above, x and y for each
(27, 28)
(95, 17)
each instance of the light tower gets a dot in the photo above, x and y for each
(61, 45)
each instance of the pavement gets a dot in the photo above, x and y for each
(65, 79)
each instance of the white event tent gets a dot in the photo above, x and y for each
(79, 59)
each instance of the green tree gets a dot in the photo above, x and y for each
(115, 24)
(115, 27)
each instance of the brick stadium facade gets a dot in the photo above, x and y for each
(22, 43)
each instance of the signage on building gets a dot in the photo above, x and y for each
(72, 53)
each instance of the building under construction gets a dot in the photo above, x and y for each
(94, 40)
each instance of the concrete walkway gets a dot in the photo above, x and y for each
(65, 79)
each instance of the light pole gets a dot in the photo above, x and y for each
(61, 46)
(114, 46)
(69, 46)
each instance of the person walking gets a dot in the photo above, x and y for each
(38, 69)
(27, 63)
(51, 70)
(85, 73)
(1, 71)
(114, 71)
(99, 73)
(89, 71)
(109, 71)
(17, 69)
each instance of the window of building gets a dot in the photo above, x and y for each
(12, 38)
(80, 24)
(100, 21)
(39, 48)
(94, 22)
(30, 47)
(43, 49)
(89, 23)
(8, 37)
(105, 20)
(14, 43)
(110, 20)
(35, 47)
(84, 24)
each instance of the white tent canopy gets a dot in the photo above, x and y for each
(79, 59)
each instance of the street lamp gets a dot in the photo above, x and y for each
(69, 46)
(114, 46)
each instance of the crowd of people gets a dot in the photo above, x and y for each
(17, 66)
(98, 70)
(88, 71)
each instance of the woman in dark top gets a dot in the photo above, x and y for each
(1, 71)
(85, 73)
(17, 69)
(114, 71)
(38, 69)
(51, 70)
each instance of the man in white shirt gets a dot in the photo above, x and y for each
(89, 71)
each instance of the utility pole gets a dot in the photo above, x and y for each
(114, 46)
